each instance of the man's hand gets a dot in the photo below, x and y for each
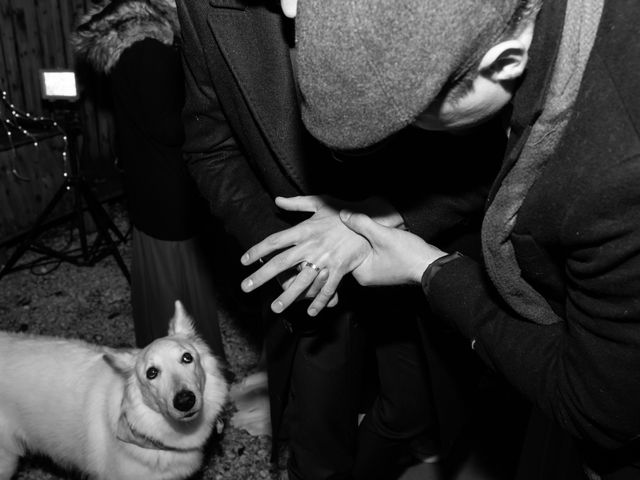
(323, 241)
(396, 257)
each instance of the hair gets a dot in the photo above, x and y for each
(525, 12)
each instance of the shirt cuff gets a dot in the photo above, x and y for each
(434, 267)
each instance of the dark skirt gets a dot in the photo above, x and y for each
(165, 271)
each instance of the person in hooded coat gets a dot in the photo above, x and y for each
(135, 43)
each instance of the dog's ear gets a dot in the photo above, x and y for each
(181, 323)
(123, 362)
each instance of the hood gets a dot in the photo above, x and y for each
(110, 28)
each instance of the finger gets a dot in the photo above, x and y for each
(289, 8)
(325, 295)
(272, 243)
(287, 283)
(362, 225)
(278, 264)
(301, 283)
(333, 302)
(307, 203)
(317, 284)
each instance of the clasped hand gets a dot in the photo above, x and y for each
(322, 240)
(336, 240)
(396, 257)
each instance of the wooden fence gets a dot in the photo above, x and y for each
(34, 35)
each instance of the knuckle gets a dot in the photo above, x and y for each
(327, 291)
(309, 274)
(276, 265)
(271, 240)
(319, 301)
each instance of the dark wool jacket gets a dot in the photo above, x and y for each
(246, 144)
(134, 45)
(577, 242)
(243, 123)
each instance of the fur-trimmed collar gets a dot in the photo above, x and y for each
(110, 28)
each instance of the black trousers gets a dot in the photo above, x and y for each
(402, 408)
(324, 397)
(549, 453)
(327, 390)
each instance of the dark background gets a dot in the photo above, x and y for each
(35, 35)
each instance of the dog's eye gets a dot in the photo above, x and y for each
(152, 372)
(187, 357)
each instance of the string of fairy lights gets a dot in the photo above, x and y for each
(17, 122)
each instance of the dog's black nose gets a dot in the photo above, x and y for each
(184, 400)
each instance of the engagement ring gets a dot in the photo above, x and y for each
(310, 265)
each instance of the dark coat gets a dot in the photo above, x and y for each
(246, 144)
(133, 44)
(577, 242)
(147, 89)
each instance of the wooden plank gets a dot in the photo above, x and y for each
(11, 75)
(29, 54)
(51, 38)
(7, 188)
(66, 10)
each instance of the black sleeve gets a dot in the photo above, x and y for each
(151, 74)
(218, 164)
(583, 372)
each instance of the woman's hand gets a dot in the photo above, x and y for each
(331, 250)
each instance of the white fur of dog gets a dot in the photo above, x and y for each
(111, 414)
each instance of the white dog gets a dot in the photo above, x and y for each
(111, 414)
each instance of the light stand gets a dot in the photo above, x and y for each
(84, 202)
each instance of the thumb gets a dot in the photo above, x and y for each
(298, 204)
(361, 224)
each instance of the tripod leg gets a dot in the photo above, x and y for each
(109, 225)
(35, 231)
(82, 228)
(103, 223)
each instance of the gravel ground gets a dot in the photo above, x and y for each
(92, 303)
